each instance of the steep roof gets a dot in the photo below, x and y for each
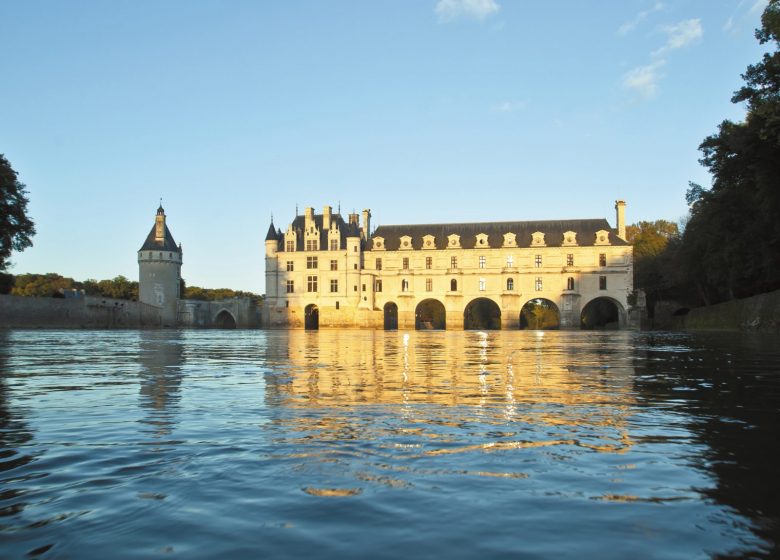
(345, 229)
(553, 233)
(271, 235)
(168, 243)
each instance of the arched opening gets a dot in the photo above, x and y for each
(482, 314)
(600, 313)
(430, 314)
(224, 320)
(540, 314)
(453, 285)
(391, 316)
(311, 317)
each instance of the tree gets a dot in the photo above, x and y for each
(652, 267)
(16, 228)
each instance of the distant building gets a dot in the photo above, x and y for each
(327, 271)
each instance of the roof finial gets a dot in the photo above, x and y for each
(339, 207)
(296, 209)
(272, 218)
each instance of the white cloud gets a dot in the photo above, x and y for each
(630, 25)
(509, 106)
(448, 10)
(644, 79)
(680, 35)
(758, 7)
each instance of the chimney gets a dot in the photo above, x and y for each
(366, 223)
(620, 209)
(308, 220)
(326, 218)
(354, 219)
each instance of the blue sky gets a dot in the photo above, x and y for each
(421, 110)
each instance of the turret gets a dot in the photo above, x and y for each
(159, 270)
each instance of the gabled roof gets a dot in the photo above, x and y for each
(553, 233)
(168, 244)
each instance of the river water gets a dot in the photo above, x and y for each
(372, 444)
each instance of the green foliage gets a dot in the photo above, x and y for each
(539, 314)
(654, 266)
(52, 285)
(212, 294)
(16, 229)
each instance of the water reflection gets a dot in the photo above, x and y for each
(161, 357)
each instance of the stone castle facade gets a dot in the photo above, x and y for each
(324, 271)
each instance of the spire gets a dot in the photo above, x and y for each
(271, 235)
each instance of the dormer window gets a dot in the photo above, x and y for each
(537, 239)
(569, 238)
(510, 240)
(453, 241)
(379, 244)
(429, 242)
(482, 241)
(406, 243)
(602, 237)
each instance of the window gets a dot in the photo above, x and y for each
(510, 261)
(311, 262)
(311, 283)
(354, 249)
(602, 282)
(538, 261)
(334, 246)
(354, 288)
(290, 287)
(170, 255)
(482, 261)
(337, 305)
(406, 263)
(569, 259)
(538, 284)
(334, 264)
(290, 266)
(287, 303)
(570, 283)
(453, 262)
(428, 284)
(510, 284)
(602, 259)
(404, 285)
(334, 286)
(311, 244)
(379, 264)
(290, 246)
(428, 263)
(364, 287)
(482, 284)
(378, 286)
(453, 285)
(160, 255)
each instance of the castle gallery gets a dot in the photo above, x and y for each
(324, 271)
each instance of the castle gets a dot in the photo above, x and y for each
(324, 271)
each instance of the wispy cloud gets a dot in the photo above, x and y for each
(740, 16)
(448, 10)
(509, 106)
(680, 35)
(643, 80)
(631, 24)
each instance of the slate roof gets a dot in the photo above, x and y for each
(553, 233)
(168, 243)
(271, 235)
(346, 229)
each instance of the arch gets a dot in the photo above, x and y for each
(224, 320)
(483, 314)
(540, 314)
(603, 313)
(453, 285)
(430, 314)
(391, 316)
(312, 317)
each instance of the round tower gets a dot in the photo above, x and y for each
(159, 271)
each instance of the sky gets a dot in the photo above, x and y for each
(424, 111)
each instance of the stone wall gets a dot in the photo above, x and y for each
(757, 313)
(75, 313)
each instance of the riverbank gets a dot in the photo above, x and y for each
(759, 313)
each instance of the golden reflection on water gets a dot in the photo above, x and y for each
(502, 378)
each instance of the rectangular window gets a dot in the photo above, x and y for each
(453, 262)
(482, 285)
(570, 283)
(406, 263)
(363, 287)
(428, 263)
(482, 261)
(404, 285)
(538, 261)
(510, 261)
(311, 283)
(354, 288)
(602, 259)
(379, 264)
(334, 286)
(337, 305)
(290, 287)
(290, 246)
(429, 284)
(290, 266)
(354, 249)
(334, 264)
(311, 244)
(570, 259)
(334, 246)
(378, 286)
(538, 284)
(311, 262)
(602, 282)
